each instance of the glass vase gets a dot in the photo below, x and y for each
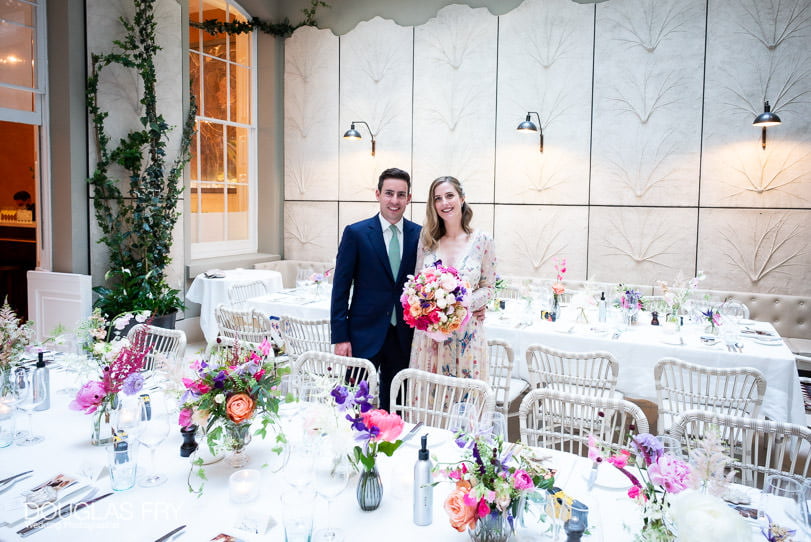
(494, 527)
(102, 428)
(370, 489)
(554, 314)
(238, 435)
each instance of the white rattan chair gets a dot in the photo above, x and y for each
(682, 386)
(242, 291)
(305, 335)
(331, 370)
(563, 421)
(764, 447)
(579, 373)
(245, 325)
(166, 346)
(420, 396)
(500, 366)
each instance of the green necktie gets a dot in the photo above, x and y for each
(394, 262)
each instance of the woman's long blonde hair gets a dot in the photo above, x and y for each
(434, 227)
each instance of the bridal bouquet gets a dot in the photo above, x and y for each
(436, 301)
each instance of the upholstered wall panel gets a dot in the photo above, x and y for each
(648, 73)
(376, 85)
(309, 230)
(455, 100)
(311, 116)
(757, 50)
(544, 65)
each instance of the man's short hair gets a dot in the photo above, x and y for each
(394, 173)
(25, 196)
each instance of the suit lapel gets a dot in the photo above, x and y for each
(375, 236)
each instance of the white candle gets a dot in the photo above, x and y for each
(243, 485)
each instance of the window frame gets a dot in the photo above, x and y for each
(210, 249)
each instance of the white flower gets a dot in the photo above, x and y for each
(141, 317)
(448, 282)
(696, 514)
(219, 398)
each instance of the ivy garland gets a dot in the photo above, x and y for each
(283, 29)
(137, 226)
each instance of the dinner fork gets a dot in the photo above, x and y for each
(6, 484)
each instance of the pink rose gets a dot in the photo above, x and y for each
(670, 473)
(184, 418)
(89, 397)
(390, 425)
(620, 459)
(461, 515)
(483, 509)
(634, 492)
(522, 480)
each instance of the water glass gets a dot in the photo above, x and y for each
(671, 445)
(297, 515)
(495, 423)
(122, 462)
(577, 522)
(782, 501)
(6, 424)
(463, 418)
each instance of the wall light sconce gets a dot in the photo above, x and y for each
(354, 135)
(764, 120)
(528, 126)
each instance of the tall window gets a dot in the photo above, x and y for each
(223, 162)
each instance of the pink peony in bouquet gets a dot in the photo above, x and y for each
(436, 301)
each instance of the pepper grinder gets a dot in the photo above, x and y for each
(189, 444)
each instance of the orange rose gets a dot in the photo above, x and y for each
(461, 515)
(239, 407)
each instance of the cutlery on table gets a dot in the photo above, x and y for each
(61, 513)
(413, 432)
(10, 478)
(592, 475)
(11, 481)
(171, 534)
(49, 506)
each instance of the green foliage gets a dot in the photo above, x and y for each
(137, 226)
(283, 29)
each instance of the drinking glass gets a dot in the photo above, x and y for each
(299, 469)
(495, 424)
(558, 512)
(463, 418)
(331, 478)
(671, 445)
(122, 464)
(782, 500)
(297, 515)
(153, 430)
(31, 394)
(127, 417)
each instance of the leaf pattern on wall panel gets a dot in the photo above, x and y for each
(311, 115)
(545, 65)
(376, 81)
(777, 169)
(454, 99)
(530, 237)
(649, 23)
(309, 230)
(639, 168)
(639, 244)
(773, 22)
(646, 93)
(785, 82)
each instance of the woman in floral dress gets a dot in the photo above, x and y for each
(448, 237)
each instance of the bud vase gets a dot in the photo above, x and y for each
(370, 489)
(238, 435)
(102, 430)
(494, 527)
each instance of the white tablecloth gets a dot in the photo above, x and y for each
(211, 292)
(637, 350)
(142, 514)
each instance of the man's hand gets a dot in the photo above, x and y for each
(343, 349)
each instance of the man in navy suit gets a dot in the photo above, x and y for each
(374, 258)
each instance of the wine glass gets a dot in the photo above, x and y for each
(463, 419)
(31, 395)
(782, 501)
(299, 469)
(331, 478)
(127, 417)
(152, 431)
(496, 424)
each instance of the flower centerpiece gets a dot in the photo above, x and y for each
(713, 318)
(659, 475)
(677, 294)
(436, 301)
(118, 365)
(318, 279)
(710, 465)
(14, 337)
(558, 289)
(227, 392)
(491, 481)
(376, 431)
(630, 301)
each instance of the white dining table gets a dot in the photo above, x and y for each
(210, 292)
(637, 349)
(144, 514)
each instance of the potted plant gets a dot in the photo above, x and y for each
(136, 212)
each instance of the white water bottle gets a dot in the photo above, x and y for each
(423, 488)
(41, 374)
(601, 308)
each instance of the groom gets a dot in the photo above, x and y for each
(374, 257)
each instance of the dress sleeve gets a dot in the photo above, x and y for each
(486, 289)
(420, 257)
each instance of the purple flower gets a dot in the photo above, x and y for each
(340, 394)
(219, 380)
(649, 446)
(133, 384)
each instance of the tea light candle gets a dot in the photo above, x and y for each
(243, 485)
(5, 410)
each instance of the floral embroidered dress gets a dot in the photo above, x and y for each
(464, 353)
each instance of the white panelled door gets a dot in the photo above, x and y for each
(57, 298)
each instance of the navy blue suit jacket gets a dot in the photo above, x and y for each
(363, 262)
